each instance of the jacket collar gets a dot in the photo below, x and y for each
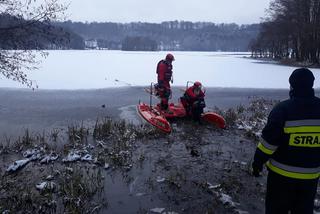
(301, 93)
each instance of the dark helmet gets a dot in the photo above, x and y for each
(301, 78)
(170, 57)
(197, 84)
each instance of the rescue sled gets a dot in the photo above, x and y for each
(214, 118)
(157, 117)
(154, 117)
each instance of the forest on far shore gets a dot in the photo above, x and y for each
(290, 31)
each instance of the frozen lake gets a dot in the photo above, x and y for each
(93, 69)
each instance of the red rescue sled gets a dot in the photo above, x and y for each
(214, 118)
(154, 117)
(158, 118)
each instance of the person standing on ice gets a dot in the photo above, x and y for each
(164, 72)
(290, 147)
(193, 101)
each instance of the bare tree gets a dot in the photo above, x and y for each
(24, 25)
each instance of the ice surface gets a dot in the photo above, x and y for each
(92, 69)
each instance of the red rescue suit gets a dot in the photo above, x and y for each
(192, 96)
(164, 71)
(193, 102)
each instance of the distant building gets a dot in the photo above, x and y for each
(91, 44)
(172, 46)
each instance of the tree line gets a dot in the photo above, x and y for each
(290, 31)
(138, 44)
(17, 33)
(173, 35)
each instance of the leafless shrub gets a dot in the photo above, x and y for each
(78, 134)
(78, 187)
(22, 20)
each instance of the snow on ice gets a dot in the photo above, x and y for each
(65, 69)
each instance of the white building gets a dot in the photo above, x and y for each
(91, 44)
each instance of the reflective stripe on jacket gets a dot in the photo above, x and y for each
(293, 172)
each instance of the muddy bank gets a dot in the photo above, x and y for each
(121, 168)
(111, 166)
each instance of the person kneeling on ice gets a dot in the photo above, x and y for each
(193, 101)
(164, 71)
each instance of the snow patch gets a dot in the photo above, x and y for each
(46, 185)
(17, 165)
(87, 157)
(160, 179)
(227, 200)
(72, 156)
(32, 154)
(210, 186)
(106, 166)
(157, 210)
(49, 158)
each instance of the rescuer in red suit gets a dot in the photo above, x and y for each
(193, 101)
(164, 71)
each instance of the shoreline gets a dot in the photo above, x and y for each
(40, 110)
(43, 110)
(284, 62)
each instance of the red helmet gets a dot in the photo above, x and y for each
(170, 57)
(197, 84)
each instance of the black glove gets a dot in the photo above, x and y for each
(256, 169)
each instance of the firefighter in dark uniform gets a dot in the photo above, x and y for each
(164, 71)
(290, 147)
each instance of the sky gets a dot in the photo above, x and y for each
(124, 11)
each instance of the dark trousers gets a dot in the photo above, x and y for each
(164, 94)
(197, 109)
(196, 112)
(165, 99)
(286, 194)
